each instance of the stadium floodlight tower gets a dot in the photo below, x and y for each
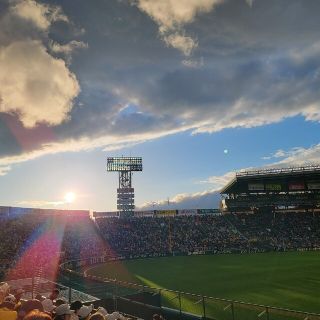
(125, 193)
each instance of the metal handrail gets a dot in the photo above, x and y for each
(301, 169)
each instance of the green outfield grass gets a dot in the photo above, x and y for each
(289, 280)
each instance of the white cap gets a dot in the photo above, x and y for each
(103, 311)
(115, 316)
(84, 311)
(48, 305)
(63, 309)
(10, 298)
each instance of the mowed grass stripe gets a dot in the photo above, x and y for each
(289, 280)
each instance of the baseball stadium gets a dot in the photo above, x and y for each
(255, 257)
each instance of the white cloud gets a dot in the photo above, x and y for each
(68, 48)
(108, 142)
(192, 63)
(41, 15)
(200, 200)
(4, 170)
(298, 156)
(172, 15)
(34, 85)
(181, 42)
(218, 182)
(40, 203)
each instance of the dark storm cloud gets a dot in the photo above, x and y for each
(252, 65)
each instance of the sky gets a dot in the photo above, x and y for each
(199, 89)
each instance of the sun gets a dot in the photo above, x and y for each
(70, 197)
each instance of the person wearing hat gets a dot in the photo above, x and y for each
(4, 290)
(84, 312)
(10, 298)
(37, 315)
(63, 312)
(97, 316)
(111, 316)
(48, 305)
(60, 301)
(18, 295)
(76, 306)
(40, 297)
(28, 306)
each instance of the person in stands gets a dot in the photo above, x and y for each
(7, 311)
(84, 312)
(63, 312)
(60, 301)
(18, 295)
(111, 316)
(29, 306)
(54, 295)
(76, 306)
(97, 316)
(37, 315)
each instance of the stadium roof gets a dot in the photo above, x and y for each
(259, 175)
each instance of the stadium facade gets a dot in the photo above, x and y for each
(295, 188)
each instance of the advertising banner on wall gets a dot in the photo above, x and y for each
(209, 211)
(255, 186)
(187, 212)
(273, 187)
(147, 213)
(296, 185)
(109, 214)
(313, 185)
(165, 213)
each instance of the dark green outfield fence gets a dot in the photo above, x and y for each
(143, 301)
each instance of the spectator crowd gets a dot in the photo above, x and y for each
(53, 307)
(50, 240)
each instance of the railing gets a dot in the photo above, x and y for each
(37, 285)
(199, 306)
(310, 168)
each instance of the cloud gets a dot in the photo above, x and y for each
(4, 170)
(40, 203)
(192, 63)
(297, 156)
(41, 15)
(200, 200)
(34, 85)
(171, 16)
(243, 74)
(108, 142)
(218, 182)
(181, 42)
(68, 48)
